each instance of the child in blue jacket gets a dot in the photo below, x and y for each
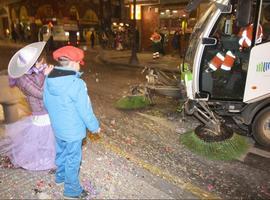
(69, 107)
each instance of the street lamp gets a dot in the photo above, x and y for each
(134, 59)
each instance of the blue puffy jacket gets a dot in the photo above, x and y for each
(66, 99)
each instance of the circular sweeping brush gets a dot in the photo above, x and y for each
(132, 102)
(226, 146)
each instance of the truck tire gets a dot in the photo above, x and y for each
(261, 127)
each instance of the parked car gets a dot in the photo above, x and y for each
(57, 36)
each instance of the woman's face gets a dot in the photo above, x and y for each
(40, 62)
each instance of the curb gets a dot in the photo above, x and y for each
(11, 44)
(108, 61)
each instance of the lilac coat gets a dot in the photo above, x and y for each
(32, 87)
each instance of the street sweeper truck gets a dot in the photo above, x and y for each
(227, 69)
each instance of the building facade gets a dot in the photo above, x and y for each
(165, 16)
(26, 14)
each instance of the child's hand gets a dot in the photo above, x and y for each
(98, 131)
(48, 70)
(94, 136)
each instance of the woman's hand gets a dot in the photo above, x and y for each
(48, 70)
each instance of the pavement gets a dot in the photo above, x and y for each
(10, 43)
(122, 58)
(165, 62)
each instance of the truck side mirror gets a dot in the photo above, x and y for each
(244, 12)
(209, 41)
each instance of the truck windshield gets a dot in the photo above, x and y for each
(197, 33)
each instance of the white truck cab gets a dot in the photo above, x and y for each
(239, 87)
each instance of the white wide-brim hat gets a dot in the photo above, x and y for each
(24, 59)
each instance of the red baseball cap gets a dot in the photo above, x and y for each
(70, 52)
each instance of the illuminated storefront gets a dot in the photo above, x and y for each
(87, 13)
(4, 26)
(167, 16)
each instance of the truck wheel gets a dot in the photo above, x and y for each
(261, 127)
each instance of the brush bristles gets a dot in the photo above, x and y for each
(228, 149)
(132, 102)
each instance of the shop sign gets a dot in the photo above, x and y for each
(142, 2)
(173, 1)
(138, 12)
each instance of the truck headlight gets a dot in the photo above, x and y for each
(78, 33)
(66, 33)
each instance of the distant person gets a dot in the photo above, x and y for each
(87, 36)
(162, 42)
(119, 42)
(14, 35)
(92, 38)
(20, 29)
(70, 110)
(176, 42)
(29, 143)
(137, 39)
(156, 44)
(33, 32)
(104, 39)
